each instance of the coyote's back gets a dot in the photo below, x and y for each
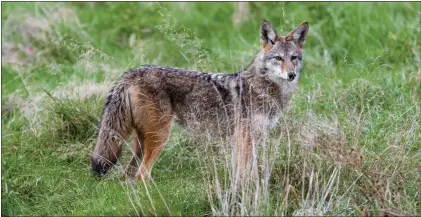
(146, 100)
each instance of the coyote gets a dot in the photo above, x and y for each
(242, 105)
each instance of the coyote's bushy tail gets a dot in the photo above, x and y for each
(115, 126)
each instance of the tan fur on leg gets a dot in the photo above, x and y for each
(242, 142)
(136, 157)
(155, 140)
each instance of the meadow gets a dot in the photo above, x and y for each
(349, 144)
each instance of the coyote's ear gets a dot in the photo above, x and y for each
(298, 35)
(267, 35)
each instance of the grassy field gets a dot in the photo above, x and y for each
(350, 143)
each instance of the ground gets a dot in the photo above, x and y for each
(348, 145)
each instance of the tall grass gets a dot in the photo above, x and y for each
(349, 144)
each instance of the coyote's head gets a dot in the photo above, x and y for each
(281, 57)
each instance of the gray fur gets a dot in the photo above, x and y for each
(205, 103)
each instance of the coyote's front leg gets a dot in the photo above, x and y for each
(242, 149)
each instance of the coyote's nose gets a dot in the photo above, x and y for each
(291, 76)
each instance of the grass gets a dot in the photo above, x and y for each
(348, 145)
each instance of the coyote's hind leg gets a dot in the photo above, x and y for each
(136, 157)
(156, 136)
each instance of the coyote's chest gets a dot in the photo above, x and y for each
(262, 123)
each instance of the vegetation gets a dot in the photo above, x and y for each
(350, 144)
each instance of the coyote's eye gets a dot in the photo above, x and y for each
(279, 58)
(294, 57)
